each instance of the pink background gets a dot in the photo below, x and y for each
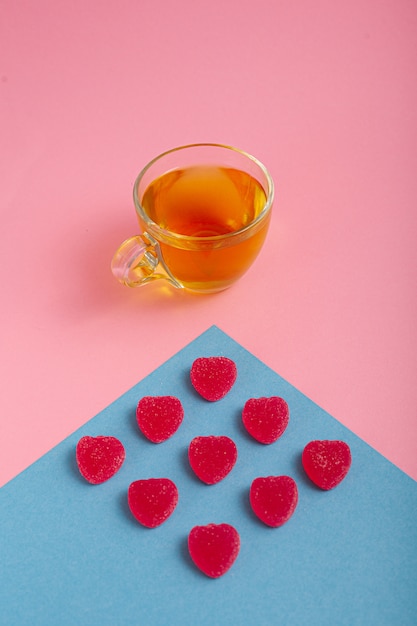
(324, 93)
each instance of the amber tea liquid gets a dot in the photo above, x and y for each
(207, 202)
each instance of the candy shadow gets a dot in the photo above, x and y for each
(187, 382)
(73, 468)
(184, 552)
(242, 430)
(185, 557)
(123, 507)
(186, 467)
(132, 421)
(245, 503)
(246, 506)
(301, 476)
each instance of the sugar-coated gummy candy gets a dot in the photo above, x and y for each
(212, 457)
(152, 500)
(159, 417)
(99, 458)
(266, 418)
(326, 462)
(274, 499)
(214, 548)
(213, 377)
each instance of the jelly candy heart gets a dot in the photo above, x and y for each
(212, 458)
(159, 417)
(266, 418)
(214, 548)
(273, 499)
(99, 458)
(152, 500)
(326, 462)
(213, 377)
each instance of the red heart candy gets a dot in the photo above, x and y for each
(326, 462)
(213, 377)
(159, 417)
(152, 500)
(274, 499)
(99, 458)
(212, 458)
(266, 418)
(214, 548)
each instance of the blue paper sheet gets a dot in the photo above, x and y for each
(72, 553)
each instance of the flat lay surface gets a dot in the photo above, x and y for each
(74, 553)
(324, 94)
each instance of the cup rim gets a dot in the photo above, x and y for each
(156, 230)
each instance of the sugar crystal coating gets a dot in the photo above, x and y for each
(212, 458)
(214, 548)
(266, 418)
(159, 417)
(274, 499)
(326, 462)
(152, 500)
(213, 377)
(99, 458)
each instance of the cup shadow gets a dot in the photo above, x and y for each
(90, 282)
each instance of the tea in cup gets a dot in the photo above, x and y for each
(204, 212)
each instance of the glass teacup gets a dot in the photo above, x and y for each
(204, 212)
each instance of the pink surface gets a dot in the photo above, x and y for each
(323, 93)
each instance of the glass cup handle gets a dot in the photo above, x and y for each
(139, 261)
